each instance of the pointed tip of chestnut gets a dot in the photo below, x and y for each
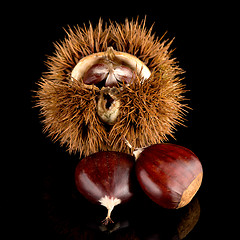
(109, 203)
(169, 174)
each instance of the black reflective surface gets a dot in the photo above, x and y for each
(58, 211)
(44, 201)
(69, 215)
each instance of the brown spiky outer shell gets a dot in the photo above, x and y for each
(149, 111)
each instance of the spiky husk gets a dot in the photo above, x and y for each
(149, 111)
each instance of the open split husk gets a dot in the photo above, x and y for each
(127, 59)
(149, 110)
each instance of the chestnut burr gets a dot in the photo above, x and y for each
(169, 174)
(105, 178)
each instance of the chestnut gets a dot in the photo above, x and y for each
(111, 74)
(111, 64)
(169, 174)
(105, 178)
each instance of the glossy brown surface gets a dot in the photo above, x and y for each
(165, 171)
(112, 75)
(96, 74)
(105, 174)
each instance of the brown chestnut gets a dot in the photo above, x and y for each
(112, 74)
(96, 74)
(169, 174)
(105, 178)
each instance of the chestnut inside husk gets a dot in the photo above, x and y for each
(128, 57)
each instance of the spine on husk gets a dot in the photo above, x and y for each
(149, 110)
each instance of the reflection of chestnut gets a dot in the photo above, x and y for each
(189, 219)
(169, 174)
(164, 224)
(104, 178)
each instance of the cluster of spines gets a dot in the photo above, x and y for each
(149, 111)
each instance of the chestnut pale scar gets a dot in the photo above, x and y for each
(190, 192)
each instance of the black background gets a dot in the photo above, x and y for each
(45, 203)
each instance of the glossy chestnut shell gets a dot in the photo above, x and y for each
(105, 178)
(169, 174)
(112, 75)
